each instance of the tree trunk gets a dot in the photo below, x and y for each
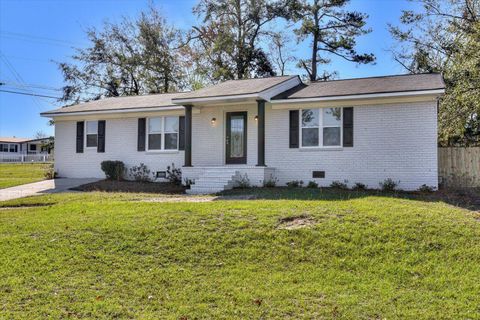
(313, 74)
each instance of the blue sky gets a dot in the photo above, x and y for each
(35, 33)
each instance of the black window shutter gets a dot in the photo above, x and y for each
(142, 124)
(80, 132)
(101, 136)
(181, 133)
(294, 130)
(348, 127)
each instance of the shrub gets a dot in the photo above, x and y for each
(188, 183)
(339, 185)
(312, 184)
(426, 189)
(174, 175)
(295, 183)
(114, 170)
(140, 173)
(389, 185)
(50, 172)
(243, 182)
(359, 186)
(270, 183)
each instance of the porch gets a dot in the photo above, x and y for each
(225, 147)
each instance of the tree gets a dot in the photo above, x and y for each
(444, 36)
(331, 30)
(135, 56)
(280, 51)
(40, 134)
(229, 36)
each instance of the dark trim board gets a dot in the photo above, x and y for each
(228, 158)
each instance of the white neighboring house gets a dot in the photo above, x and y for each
(360, 130)
(13, 149)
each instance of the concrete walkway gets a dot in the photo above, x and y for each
(42, 187)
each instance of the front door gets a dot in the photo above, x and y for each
(236, 138)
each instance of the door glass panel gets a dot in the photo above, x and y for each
(236, 137)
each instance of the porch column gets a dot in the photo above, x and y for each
(261, 133)
(188, 136)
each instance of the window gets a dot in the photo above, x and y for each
(321, 127)
(163, 133)
(33, 147)
(5, 147)
(91, 134)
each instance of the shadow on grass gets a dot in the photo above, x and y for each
(465, 198)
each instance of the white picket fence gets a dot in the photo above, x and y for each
(26, 157)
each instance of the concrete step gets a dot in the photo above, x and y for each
(204, 190)
(213, 183)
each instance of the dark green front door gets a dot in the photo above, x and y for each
(236, 138)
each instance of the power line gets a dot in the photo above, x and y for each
(35, 38)
(36, 86)
(30, 94)
(19, 78)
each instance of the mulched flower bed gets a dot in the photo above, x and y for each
(131, 186)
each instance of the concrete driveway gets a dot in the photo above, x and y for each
(42, 187)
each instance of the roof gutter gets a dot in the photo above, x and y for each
(75, 113)
(361, 96)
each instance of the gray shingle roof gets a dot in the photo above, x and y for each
(120, 103)
(385, 84)
(236, 87)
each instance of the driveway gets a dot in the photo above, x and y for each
(42, 187)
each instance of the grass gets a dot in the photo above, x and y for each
(14, 174)
(110, 255)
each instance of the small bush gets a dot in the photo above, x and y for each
(174, 175)
(312, 184)
(114, 170)
(270, 183)
(140, 173)
(339, 185)
(358, 186)
(426, 189)
(389, 185)
(50, 172)
(295, 183)
(188, 183)
(243, 182)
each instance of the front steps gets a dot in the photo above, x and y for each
(214, 180)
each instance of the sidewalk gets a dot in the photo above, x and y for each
(42, 187)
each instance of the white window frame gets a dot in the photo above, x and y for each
(320, 129)
(86, 133)
(162, 132)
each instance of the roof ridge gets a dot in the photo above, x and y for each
(379, 77)
(284, 76)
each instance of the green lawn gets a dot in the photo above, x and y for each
(100, 255)
(14, 174)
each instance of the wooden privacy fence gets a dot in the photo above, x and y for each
(459, 167)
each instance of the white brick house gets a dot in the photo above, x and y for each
(361, 130)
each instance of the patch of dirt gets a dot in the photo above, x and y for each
(293, 223)
(131, 186)
(468, 198)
